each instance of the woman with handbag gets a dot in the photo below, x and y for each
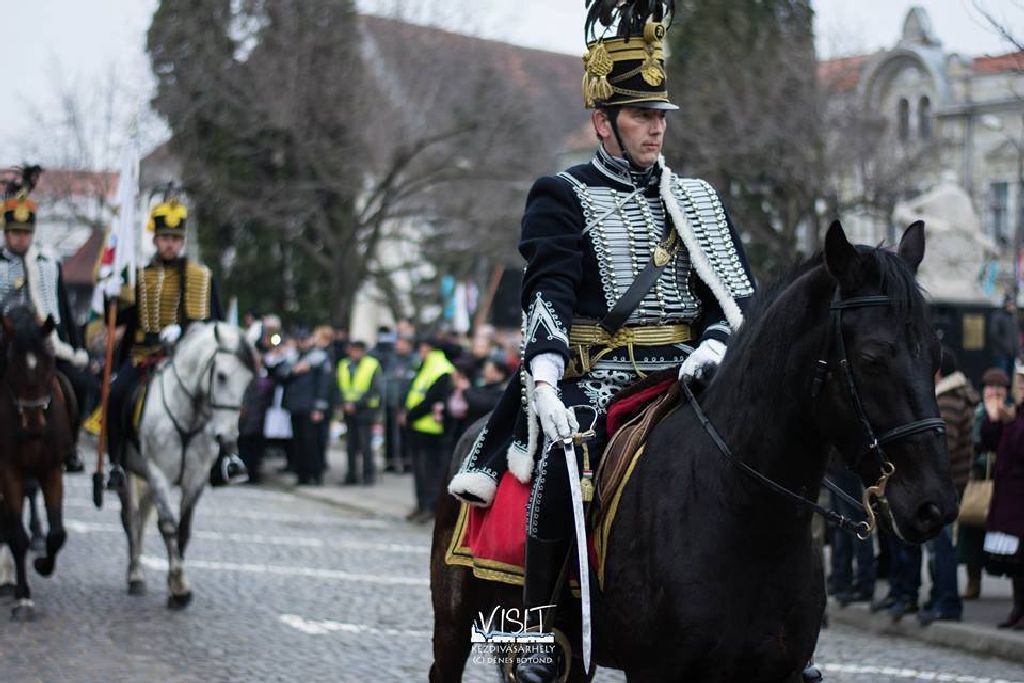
(976, 495)
(1003, 431)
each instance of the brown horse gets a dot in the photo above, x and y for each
(35, 419)
(710, 574)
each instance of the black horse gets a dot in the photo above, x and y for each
(35, 419)
(711, 576)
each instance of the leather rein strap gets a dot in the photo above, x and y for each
(862, 529)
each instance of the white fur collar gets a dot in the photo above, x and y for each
(697, 256)
(33, 275)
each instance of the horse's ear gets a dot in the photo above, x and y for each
(216, 333)
(840, 256)
(47, 327)
(912, 245)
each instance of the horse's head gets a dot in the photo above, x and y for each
(878, 401)
(29, 367)
(231, 369)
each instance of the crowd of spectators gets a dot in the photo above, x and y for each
(985, 439)
(399, 405)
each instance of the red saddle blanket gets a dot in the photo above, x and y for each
(492, 540)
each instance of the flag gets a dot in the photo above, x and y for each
(122, 237)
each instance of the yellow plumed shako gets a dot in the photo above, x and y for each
(168, 218)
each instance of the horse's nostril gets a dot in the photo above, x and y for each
(930, 514)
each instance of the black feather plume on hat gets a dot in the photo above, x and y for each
(24, 180)
(630, 15)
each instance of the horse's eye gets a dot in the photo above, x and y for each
(875, 365)
(222, 377)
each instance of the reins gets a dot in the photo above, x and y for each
(861, 529)
(874, 444)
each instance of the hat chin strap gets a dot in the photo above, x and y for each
(622, 147)
(614, 121)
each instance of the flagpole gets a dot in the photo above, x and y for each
(101, 446)
(124, 239)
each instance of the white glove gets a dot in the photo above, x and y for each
(81, 358)
(556, 420)
(170, 334)
(705, 358)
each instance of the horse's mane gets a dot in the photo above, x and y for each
(883, 270)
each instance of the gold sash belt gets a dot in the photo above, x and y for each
(585, 339)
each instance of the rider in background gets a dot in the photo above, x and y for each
(31, 277)
(170, 293)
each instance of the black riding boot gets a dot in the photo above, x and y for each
(542, 662)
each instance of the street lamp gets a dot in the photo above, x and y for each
(994, 123)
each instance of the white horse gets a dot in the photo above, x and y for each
(190, 412)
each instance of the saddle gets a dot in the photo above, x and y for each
(492, 541)
(631, 416)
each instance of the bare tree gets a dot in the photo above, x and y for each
(78, 136)
(1002, 26)
(350, 144)
(744, 74)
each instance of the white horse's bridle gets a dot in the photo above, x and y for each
(201, 411)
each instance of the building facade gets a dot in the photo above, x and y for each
(913, 117)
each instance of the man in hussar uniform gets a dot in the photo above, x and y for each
(170, 293)
(629, 269)
(30, 276)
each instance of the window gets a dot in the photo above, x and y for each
(904, 119)
(924, 118)
(999, 197)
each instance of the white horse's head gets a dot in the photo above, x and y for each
(222, 363)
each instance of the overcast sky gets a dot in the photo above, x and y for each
(80, 42)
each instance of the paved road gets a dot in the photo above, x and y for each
(292, 590)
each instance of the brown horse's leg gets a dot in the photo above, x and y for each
(14, 530)
(36, 539)
(53, 497)
(452, 593)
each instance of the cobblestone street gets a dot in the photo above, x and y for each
(288, 589)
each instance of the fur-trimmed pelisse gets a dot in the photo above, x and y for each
(520, 463)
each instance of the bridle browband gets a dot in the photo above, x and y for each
(873, 444)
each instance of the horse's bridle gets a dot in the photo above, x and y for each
(187, 434)
(873, 444)
(195, 395)
(41, 404)
(23, 404)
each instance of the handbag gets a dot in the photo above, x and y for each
(278, 422)
(977, 498)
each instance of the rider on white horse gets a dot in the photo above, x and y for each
(170, 293)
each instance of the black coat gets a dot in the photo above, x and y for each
(307, 391)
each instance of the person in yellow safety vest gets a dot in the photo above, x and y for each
(424, 421)
(359, 379)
